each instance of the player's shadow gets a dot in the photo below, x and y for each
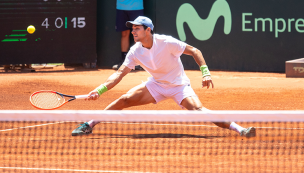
(159, 135)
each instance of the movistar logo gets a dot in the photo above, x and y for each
(202, 29)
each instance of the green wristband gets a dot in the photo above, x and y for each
(205, 70)
(101, 89)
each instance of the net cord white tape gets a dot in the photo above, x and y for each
(151, 116)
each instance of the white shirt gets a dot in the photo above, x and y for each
(162, 61)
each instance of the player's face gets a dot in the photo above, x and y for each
(139, 33)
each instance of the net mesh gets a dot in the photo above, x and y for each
(41, 141)
(47, 100)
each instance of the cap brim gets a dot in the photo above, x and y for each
(129, 24)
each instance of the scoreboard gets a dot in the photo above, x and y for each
(65, 31)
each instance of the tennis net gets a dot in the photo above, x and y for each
(151, 141)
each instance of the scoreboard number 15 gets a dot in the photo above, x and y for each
(59, 22)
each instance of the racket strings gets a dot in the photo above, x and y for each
(47, 100)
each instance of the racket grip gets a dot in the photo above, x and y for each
(82, 96)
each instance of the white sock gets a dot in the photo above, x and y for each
(236, 127)
(92, 123)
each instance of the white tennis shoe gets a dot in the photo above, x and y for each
(83, 129)
(249, 132)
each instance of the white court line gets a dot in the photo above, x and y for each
(148, 124)
(152, 116)
(71, 170)
(162, 124)
(282, 128)
(104, 122)
(30, 126)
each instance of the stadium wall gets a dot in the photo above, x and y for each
(252, 35)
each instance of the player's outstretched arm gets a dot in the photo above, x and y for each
(110, 83)
(199, 59)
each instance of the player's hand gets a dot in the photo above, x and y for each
(93, 95)
(207, 81)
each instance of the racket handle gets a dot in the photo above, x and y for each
(82, 96)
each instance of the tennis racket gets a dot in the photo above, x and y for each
(49, 100)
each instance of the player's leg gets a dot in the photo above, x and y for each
(145, 93)
(193, 103)
(138, 95)
(186, 97)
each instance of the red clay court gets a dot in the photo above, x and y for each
(158, 147)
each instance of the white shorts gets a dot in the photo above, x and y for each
(162, 92)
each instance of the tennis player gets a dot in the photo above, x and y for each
(159, 55)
